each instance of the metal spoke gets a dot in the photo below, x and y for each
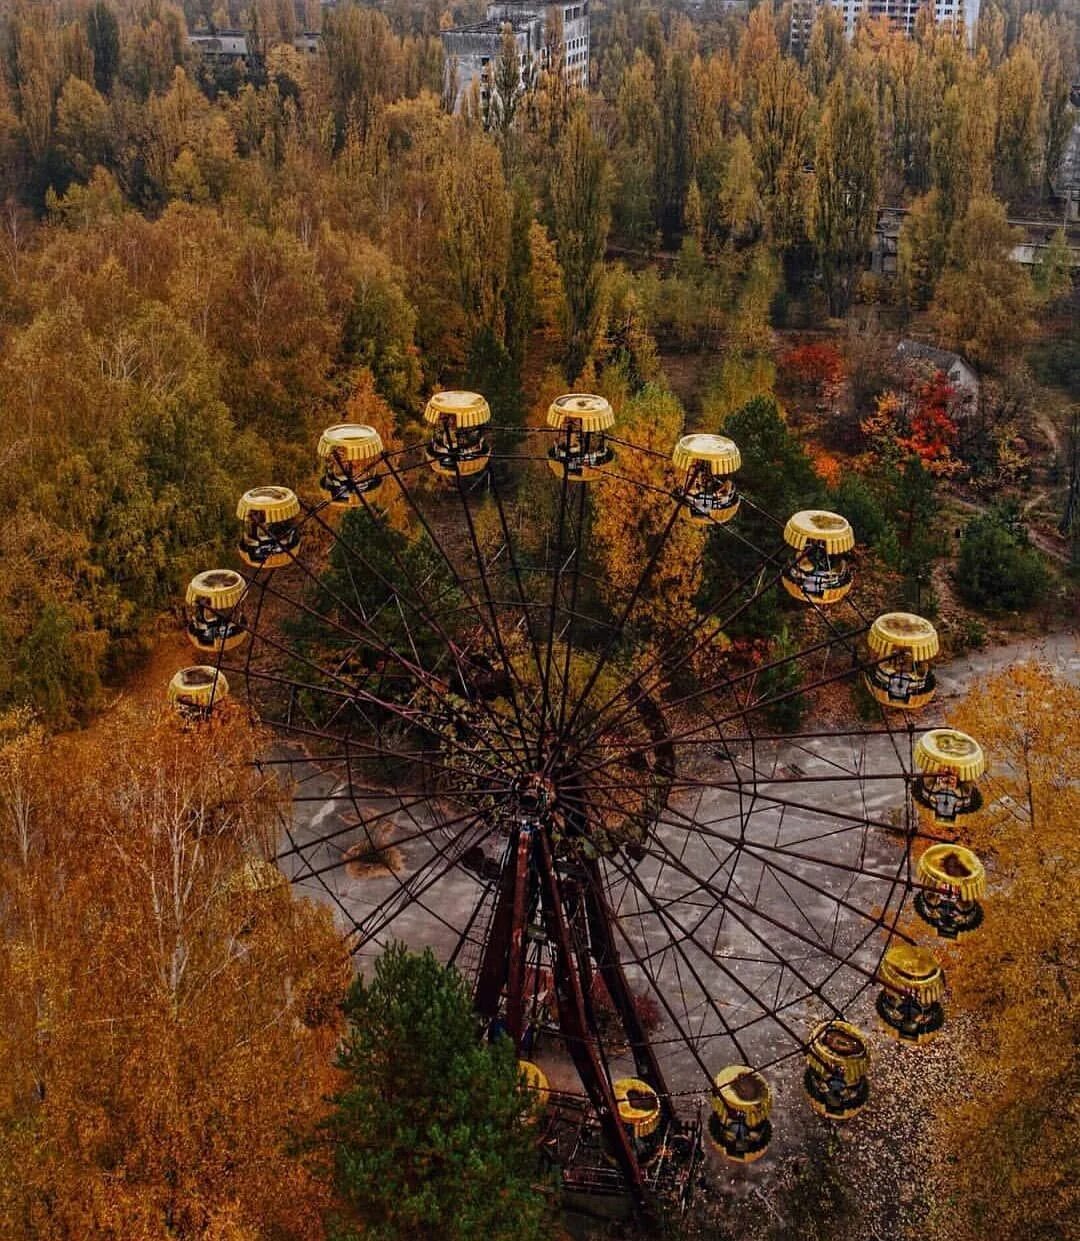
(624, 823)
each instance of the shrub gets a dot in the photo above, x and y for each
(998, 570)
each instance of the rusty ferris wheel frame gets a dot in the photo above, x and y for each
(619, 814)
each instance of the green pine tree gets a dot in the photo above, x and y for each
(998, 569)
(430, 1134)
(778, 478)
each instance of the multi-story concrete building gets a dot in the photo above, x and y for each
(226, 47)
(472, 51)
(221, 46)
(902, 13)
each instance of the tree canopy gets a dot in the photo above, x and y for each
(997, 568)
(1009, 1151)
(167, 1009)
(429, 1129)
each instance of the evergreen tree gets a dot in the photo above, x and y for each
(779, 683)
(373, 574)
(911, 500)
(429, 1134)
(491, 369)
(998, 569)
(103, 35)
(54, 670)
(778, 478)
(519, 298)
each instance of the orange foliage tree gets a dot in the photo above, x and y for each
(818, 369)
(826, 466)
(919, 421)
(1009, 1153)
(167, 1010)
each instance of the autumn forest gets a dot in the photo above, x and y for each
(851, 253)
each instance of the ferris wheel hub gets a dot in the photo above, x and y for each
(534, 795)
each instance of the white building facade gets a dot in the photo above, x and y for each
(902, 13)
(471, 52)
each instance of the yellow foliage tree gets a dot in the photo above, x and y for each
(167, 1010)
(1010, 1153)
(630, 522)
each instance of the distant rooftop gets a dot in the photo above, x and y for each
(941, 358)
(960, 372)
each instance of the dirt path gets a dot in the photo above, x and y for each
(1047, 544)
(1034, 502)
(1046, 426)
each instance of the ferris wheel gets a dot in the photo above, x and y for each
(558, 770)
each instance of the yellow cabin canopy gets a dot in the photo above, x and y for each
(592, 412)
(909, 968)
(738, 1090)
(198, 686)
(467, 409)
(717, 451)
(350, 441)
(818, 526)
(953, 866)
(838, 1045)
(275, 503)
(949, 750)
(535, 1082)
(220, 589)
(903, 631)
(638, 1104)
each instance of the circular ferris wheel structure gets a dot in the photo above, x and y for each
(558, 774)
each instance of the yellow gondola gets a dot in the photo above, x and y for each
(903, 645)
(580, 448)
(251, 888)
(534, 1084)
(638, 1107)
(196, 690)
(271, 532)
(256, 876)
(707, 464)
(459, 443)
(954, 879)
(215, 620)
(820, 572)
(909, 1003)
(347, 453)
(739, 1126)
(836, 1080)
(949, 763)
